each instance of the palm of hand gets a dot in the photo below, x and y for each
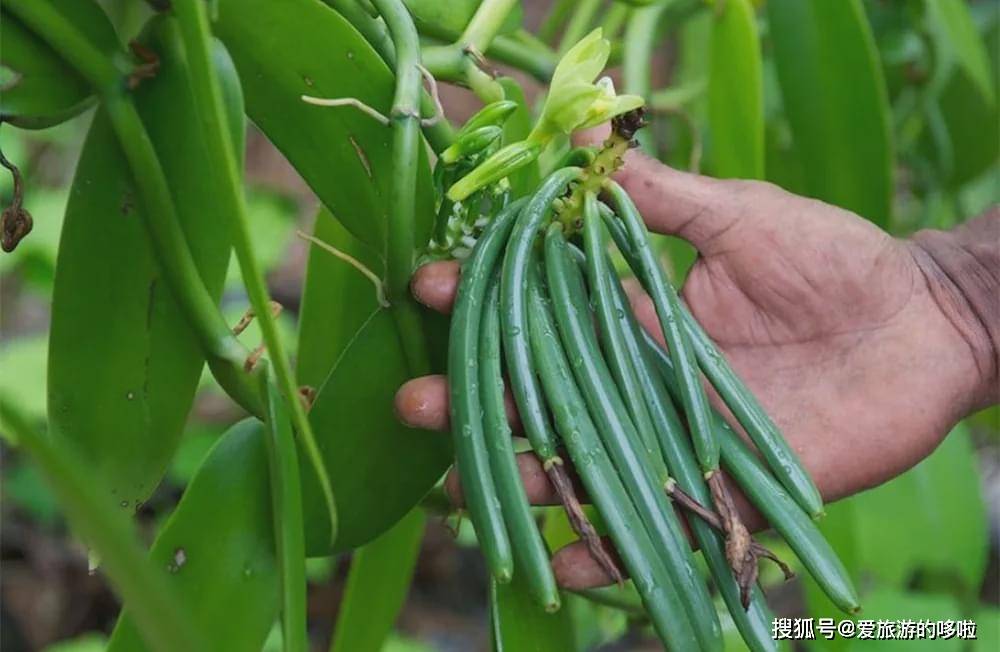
(826, 318)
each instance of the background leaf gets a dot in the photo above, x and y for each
(518, 625)
(377, 586)
(931, 518)
(735, 94)
(835, 98)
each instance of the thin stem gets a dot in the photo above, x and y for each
(224, 352)
(162, 621)
(401, 241)
(353, 262)
(485, 23)
(286, 513)
(192, 19)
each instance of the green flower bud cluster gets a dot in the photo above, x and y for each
(458, 223)
(575, 101)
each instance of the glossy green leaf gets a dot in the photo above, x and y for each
(160, 619)
(377, 586)
(217, 548)
(363, 443)
(518, 625)
(901, 524)
(835, 98)
(40, 89)
(336, 299)
(123, 363)
(302, 47)
(378, 467)
(735, 94)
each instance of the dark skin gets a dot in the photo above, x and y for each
(866, 350)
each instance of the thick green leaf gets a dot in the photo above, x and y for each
(284, 50)
(735, 94)
(835, 98)
(217, 548)
(377, 586)
(378, 467)
(123, 364)
(336, 299)
(902, 524)
(39, 88)
(518, 625)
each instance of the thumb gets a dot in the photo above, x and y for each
(694, 207)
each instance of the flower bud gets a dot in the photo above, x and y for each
(471, 143)
(496, 167)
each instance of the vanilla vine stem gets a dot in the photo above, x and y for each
(225, 354)
(401, 242)
(195, 33)
(459, 60)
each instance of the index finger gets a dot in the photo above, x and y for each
(435, 284)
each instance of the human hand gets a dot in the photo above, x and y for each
(840, 330)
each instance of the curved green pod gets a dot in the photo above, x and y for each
(782, 460)
(623, 443)
(668, 309)
(40, 89)
(472, 455)
(767, 495)
(753, 623)
(123, 363)
(514, 314)
(611, 326)
(603, 484)
(531, 556)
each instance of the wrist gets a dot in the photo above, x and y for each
(962, 271)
